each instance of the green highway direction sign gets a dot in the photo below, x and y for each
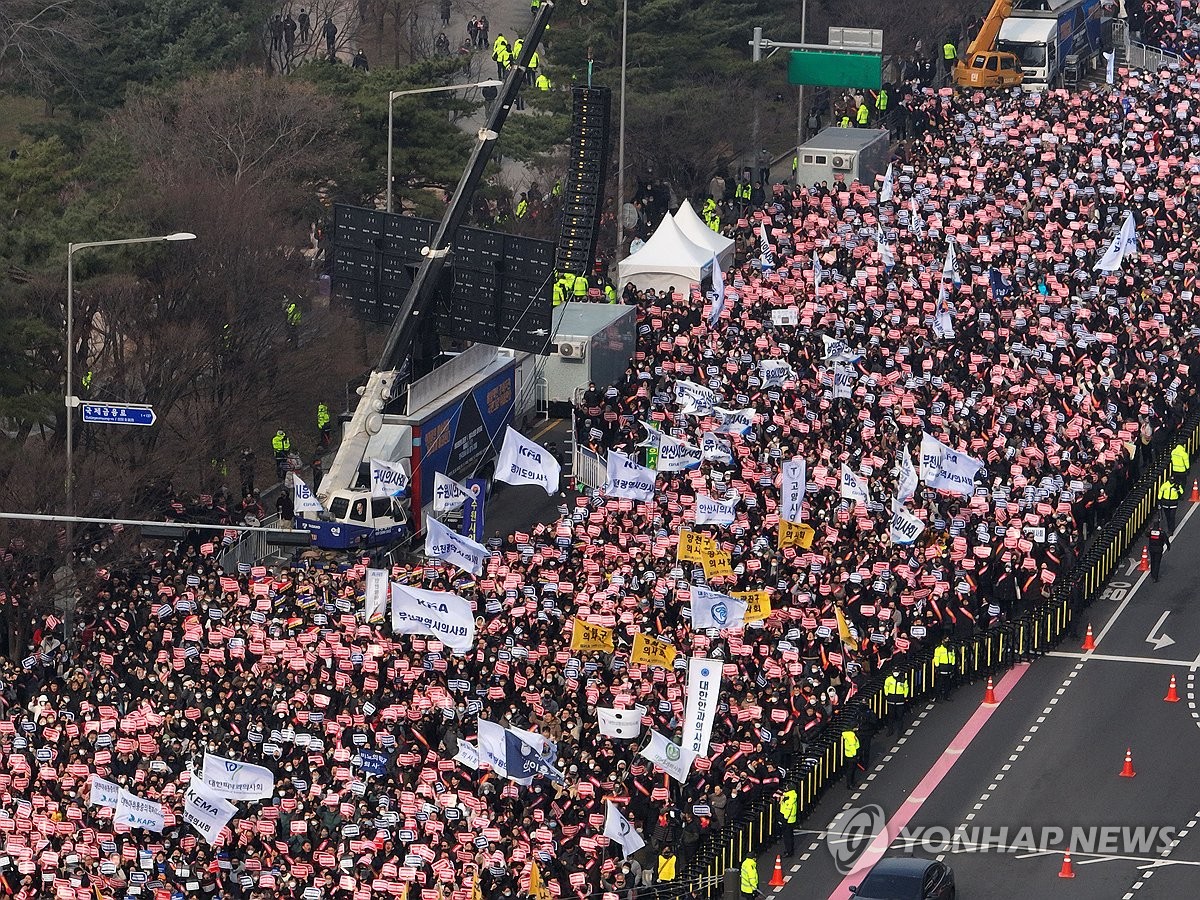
(832, 68)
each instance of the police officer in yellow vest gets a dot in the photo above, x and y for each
(789, 807)
(895, 694)
(881, 101)
(666, 864)
(863, 115)
(542, 83)
(1180, 463)
(281, 444)
(850, 745)
(580, 287)
(749, 880)
(1168, 501)
(560, 291)
(944, 666)
(324, 433)
(949, 55)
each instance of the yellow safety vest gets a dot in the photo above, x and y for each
(280, 442)
(949, 53)
(666, 868)
(849, 744)
(542, 83)
(322, 415)
(895, 687)
(863, 114)
(1169, 491)
(943, 656)
(787, 806)
(749, 875)
(1179, 459)
(881, 101)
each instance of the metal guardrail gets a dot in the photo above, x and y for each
(589, 468)
(251, 547)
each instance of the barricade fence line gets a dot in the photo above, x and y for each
(986, 653)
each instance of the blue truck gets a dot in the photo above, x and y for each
(1043, 34)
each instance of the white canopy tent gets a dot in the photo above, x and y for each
(697, 232)
(667, 259)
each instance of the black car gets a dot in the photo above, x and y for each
(906, 878)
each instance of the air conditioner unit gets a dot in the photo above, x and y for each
(843, 161)
(572, 349)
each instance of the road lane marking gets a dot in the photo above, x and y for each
(1105, 657)
(936, 774)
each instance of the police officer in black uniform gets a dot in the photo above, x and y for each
(1158, 541)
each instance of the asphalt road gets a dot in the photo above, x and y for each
(998, 792)
(516, 507)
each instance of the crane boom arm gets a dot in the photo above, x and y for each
(990, 29)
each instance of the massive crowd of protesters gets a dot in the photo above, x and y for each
(1061, 383)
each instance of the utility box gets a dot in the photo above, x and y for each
(850, 153)
(590, 342)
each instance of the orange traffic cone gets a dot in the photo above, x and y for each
(1172, 693)
(1144, 562)
(777, 877)
(1089, 640)
(1195, 497)
(1067, 870)
(989, 696)
(1127, 769)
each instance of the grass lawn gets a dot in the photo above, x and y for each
(15, 112)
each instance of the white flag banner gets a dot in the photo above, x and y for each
(854, 487)
(448, 494)
(789, 316)
(838, 351)
(388, 479)
(950, 264)
(653, 435)
(521, 461)
(844, 377)
(914, 217)
(703, 689)
(1124, 244)
(468, 754)
(440, 614)
(235, 780)
(906, 527)
(620, 723)
(456, 549)
(885, 192)
(718, 286)
(886, 256)
(956, 473)
(793, 484)
(931, 457)
(714, 512)
(818, 271)
(694, 399)
(104, 792)
(713, 449)
(676, 761)
(376, 596)
(1110, 65)
(136, 812)
(676, 456)
(711, 609)
(734, 421)
(627, 479)
(206, 812)
(906, 482)
(303, 499)
(774, 371)
(617, 828)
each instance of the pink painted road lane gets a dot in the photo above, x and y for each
(932, 779)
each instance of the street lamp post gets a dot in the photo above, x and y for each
(69, 397)
(621, 134)
(392, 95)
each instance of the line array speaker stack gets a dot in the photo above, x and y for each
(587, 168)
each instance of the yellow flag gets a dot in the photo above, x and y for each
(537, 887)
(758, 604)
(795, 534)
(650, 652)
(692, 545)
(586, 636)
(843, 626)
(716, 562)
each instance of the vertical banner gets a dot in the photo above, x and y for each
(472, 520)
(704, 687)
(376, 596)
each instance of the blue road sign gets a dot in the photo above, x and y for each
(118, 413)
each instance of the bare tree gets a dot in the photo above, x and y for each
(39, 44)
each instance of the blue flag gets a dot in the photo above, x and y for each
(522, 761)
(1000, 287)
(373, 763)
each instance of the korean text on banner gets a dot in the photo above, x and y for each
(235, 780)
(445, 616)
(703, 690)
(521, 461)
